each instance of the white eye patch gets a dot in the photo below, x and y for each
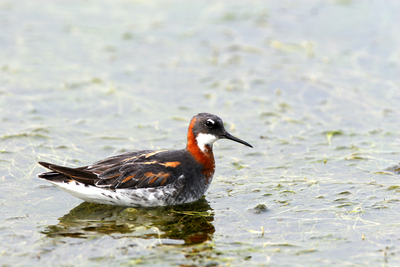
(210, 120)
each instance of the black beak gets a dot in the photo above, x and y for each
(231, 137)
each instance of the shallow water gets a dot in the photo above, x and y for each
(313, 86)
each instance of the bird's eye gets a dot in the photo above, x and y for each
(210, 123)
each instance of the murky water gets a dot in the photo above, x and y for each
(313, 86)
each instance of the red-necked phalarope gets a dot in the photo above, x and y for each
(148, 178)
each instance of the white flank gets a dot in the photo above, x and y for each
(205, 139)
(143, 197)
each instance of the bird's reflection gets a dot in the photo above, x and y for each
(191, 223)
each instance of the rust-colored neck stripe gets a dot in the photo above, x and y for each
(205, 158)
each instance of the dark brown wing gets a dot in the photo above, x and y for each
(60, 173)
(129, 170)
(149, 169)
(104, 164)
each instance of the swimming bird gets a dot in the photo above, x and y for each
(148, 178)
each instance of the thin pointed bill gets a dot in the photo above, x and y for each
(231, 137)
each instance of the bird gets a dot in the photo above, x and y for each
(148, 178)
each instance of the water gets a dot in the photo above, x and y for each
(313, 86)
